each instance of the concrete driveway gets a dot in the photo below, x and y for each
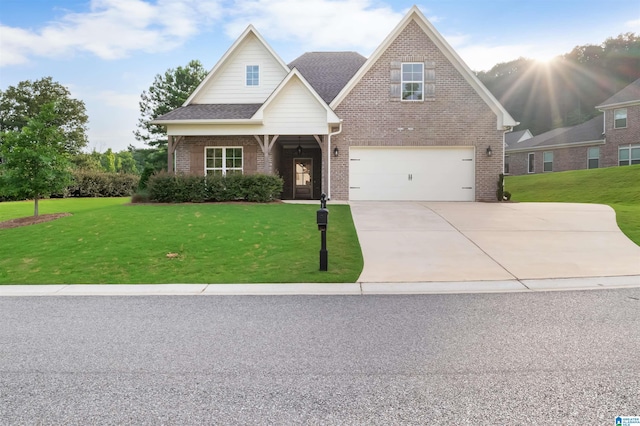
(443, 241)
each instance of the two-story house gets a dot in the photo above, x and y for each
(609, 139)
(411, 122)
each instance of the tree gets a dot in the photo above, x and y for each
(34, 159)
(19, 104)
(168, 92)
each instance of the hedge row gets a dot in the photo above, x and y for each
(169, 188)
(99, 184)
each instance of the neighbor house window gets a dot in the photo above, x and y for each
(548, 161)
(593, 157)
(620, 118)
(223, 161)
(530, 162)
(629, 155)
(506, 164)
(412, 81)
(253, 75)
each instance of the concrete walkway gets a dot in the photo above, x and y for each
(461, 242)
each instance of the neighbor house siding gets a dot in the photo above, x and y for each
(569, 158)
(190, 153)
(454, 116)
(615, 138)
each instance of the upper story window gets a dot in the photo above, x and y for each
(619, 118)
(253, 75)
(413, 81)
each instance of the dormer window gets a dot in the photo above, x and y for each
(253, 75)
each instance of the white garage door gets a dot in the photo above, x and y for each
(412, 174)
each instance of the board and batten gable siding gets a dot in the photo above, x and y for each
(455, 115)
(295, 111)
(228, 85)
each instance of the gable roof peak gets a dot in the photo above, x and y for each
(414, 14)
(249, 31)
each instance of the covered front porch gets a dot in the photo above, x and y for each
(300, 160)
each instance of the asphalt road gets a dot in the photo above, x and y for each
(535, 358)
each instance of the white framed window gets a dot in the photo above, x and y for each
(506, 164)
(547, 159)
(593, 157)
(628, 155)
(530, 162)
(221, 161)
(412, 81)
(253, 75)
(620, 118)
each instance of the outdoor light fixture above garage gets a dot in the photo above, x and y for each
(489, 151)
(335, 151)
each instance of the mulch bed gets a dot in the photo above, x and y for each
(31, 220)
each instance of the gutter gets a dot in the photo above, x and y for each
(329, 153)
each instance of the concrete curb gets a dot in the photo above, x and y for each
(345, 289)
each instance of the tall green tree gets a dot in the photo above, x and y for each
(168, 92)
(35, 160)
(19, 104)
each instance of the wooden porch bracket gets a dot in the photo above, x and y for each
(172, 144)
(266, 146)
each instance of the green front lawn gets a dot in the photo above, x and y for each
(619, 187)
(108, 241)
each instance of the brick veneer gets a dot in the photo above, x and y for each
(190, 153)
(457, 116)
(575, 158)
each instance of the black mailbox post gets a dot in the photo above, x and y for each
(322, 218)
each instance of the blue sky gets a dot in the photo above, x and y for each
(108, 51)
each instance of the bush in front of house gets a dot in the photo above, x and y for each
(100, 184)
(169, 188)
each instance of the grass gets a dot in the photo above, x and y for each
(106, 241)
(618, 187)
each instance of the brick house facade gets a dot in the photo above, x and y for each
(308, 120)
(602, 141)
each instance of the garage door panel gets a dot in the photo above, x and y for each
(430, 174)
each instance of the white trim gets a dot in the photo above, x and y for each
(332, 118)
(209, 121)
(504, 119)
(250, 30)
(552, 147)
(618, 105)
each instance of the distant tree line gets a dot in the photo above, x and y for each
(565, 91)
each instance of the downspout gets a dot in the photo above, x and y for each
(329, 153)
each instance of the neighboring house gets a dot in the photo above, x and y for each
(609, 139)
(411, 122)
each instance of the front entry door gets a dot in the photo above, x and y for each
(303, 178)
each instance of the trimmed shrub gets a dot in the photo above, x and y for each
(140, 197)
(100, 184)
(168, 188)
(144, 178)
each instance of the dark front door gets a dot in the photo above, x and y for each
(302, 178)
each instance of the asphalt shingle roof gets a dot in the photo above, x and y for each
(586, 132)
(212, 112)
(328, 72)
(628, 94)
(512, 138)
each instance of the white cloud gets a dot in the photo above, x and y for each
(317, 24)
(111, 29)
(633, 25)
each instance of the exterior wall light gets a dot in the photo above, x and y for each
(299, 150)
(335, 151)
(489, 151)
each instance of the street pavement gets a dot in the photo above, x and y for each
(569, 358)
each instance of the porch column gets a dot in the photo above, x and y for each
(266, 144)
(172, 144)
